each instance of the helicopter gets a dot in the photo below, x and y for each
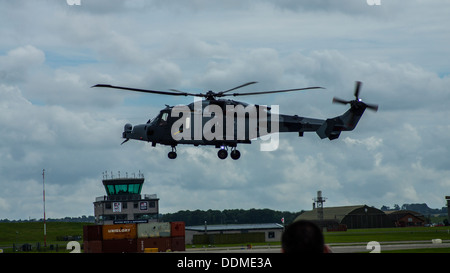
(225, 123)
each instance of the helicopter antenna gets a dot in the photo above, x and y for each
(43, 194)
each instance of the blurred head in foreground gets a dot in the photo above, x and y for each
(303, 237)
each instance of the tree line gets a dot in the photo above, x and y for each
(230, 216)
(198, 217)
(236, 216)
(81, 219)
(417, 207)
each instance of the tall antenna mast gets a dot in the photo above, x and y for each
(319, 200)
(43, 194)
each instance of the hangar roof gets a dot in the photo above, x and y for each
(331, 213)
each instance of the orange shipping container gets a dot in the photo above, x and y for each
(177, 229)
(120, 231)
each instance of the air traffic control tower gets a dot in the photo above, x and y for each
(124, 202)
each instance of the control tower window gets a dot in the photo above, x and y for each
(123, 189)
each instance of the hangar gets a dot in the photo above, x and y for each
(237, 233)
(361, 216)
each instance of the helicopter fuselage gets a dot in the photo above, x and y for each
(217, 122)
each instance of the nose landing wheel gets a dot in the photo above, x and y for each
(173, 153)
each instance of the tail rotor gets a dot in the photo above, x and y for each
(357, 103)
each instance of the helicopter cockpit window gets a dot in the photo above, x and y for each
(163, 120)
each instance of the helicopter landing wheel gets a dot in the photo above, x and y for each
(172, 155)
(222, 153)
(235, 154)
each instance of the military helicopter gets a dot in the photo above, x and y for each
(226, 123)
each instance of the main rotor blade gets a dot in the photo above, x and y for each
(237, 87)
(270, 92)
(145, 90)
(178, 91)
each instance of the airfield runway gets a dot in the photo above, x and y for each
(336, 248)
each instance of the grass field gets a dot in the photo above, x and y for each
(420, 250)
(388, 234)
(33, 233)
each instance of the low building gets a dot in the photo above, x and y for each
(237, 233)
(406, 218)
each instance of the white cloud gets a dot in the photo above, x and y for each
(4, 205)
(370, 143)
(18, 62)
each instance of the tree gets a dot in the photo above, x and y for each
(230, 216)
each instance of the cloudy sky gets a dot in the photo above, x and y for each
(51, 53)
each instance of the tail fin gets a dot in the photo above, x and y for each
(332, 128)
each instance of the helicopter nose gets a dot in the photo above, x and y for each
(127, 129)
